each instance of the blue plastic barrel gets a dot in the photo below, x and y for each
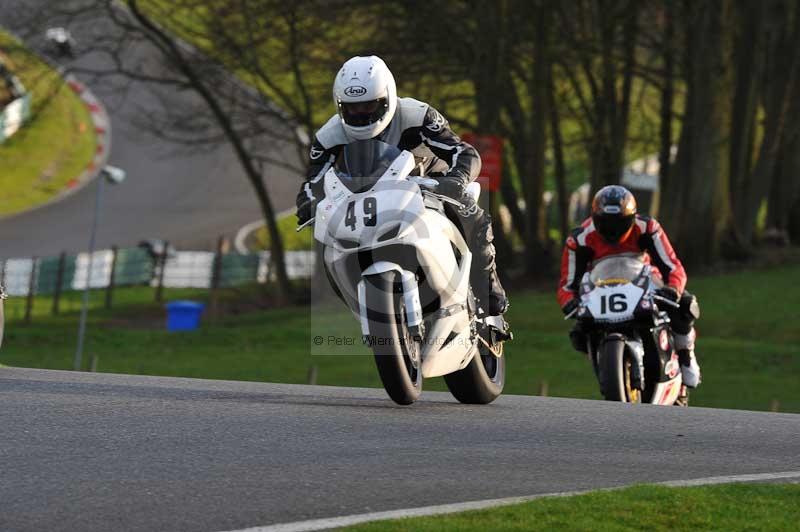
(184, 315)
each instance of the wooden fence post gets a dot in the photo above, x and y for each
(216, 277)
(110, 288)
(62, 261)
(163, 261)
(31, 291)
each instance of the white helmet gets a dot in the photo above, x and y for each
(366, 96)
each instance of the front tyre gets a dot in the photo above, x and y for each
(615, 373)
(397, 356)
(482, 380)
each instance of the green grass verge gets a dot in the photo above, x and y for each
(652, 508)
(54, 147)
(749, 344)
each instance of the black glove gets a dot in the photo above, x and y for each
(451, 186)
(570, 305)
(668, 292)
(305, 211)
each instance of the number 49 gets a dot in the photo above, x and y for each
(370, 210)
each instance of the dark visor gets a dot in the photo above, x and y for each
(359, 114)
(612, 227)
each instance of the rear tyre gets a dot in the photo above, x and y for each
(482, 380)
(397, 356)
(615, 373)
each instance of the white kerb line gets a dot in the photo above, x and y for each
(348, 520)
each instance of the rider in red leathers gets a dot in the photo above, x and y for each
(615, 228)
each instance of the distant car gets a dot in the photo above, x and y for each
(157, 248)
(61, 40)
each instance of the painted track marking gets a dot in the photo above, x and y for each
(347, 520)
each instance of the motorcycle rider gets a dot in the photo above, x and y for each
(615, 228)
(365, 96)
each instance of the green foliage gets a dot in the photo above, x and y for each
(54, 147)
(292, 239)
(656, 508)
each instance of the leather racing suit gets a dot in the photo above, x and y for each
(422, 130)
(585, 246)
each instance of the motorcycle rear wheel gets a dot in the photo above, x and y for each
(397, 355)
(482, 380)
(615, 373)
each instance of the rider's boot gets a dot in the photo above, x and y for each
(483, 276)
(690, 370)
(683, 396)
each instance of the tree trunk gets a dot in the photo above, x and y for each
(785, 191)
(535, 156)
(490, 55)
(749, 64)
(695, 208)
(562, 197)
(179, 59)
(667, 96)
(612, 105)
(752, 188)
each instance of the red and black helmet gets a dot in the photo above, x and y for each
(613, 212)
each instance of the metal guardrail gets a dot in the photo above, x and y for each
(138, 267)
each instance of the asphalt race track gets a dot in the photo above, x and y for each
(100, 452)
(187, 197)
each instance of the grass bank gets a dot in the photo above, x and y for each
(749, 343)
(654, 508)
(54, 147)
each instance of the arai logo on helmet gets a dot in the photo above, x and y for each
(612, 209)
(355, 90)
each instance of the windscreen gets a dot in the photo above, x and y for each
(361, 163)
(620, 267)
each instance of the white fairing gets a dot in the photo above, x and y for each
(393, 213)
(666, 393)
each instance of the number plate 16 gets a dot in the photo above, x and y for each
(614, 303)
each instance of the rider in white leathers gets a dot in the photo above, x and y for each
(365, 95)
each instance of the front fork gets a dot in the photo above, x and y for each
(636, 349)
(411, 301)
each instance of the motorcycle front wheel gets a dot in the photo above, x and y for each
(397, 354)
(615, 373)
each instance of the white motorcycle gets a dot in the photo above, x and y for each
(402, 267)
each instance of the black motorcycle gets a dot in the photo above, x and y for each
(627, 335)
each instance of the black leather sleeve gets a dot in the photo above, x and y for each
(320, 160)
(462, 159)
